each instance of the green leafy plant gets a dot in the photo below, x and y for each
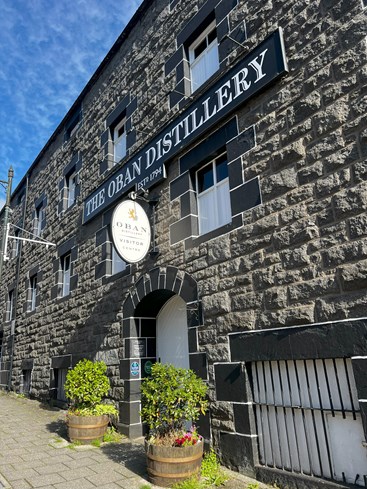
(86, 385)
(211, 470)
(112, 436)
(211, 474)
(253, 485)
(75, 444)
(191, 483)
(170, 397)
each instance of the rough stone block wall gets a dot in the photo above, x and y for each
(300, 257)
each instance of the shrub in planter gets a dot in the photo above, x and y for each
(88, 417)
(171, 398)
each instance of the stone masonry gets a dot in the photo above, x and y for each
(297, 259)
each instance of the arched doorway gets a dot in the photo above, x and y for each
(161, 316)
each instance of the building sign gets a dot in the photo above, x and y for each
(130, 231)
(148, 367)
(134, 369)
(247, 78)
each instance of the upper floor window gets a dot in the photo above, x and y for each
(214, 205)
(204, 56)
(32, 292)
(65, 262)
(64, 266)
(73, 123)
(39, 215)
(119, 141)
(16, 244)
(70, 184)
(38, 220)
(10, 309)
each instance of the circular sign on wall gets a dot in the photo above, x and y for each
(130, 231)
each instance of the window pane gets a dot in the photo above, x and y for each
(223, 203)
(221, 168)
(71, 184)
(200, 48)
(118, 264)
(198, 74)
(121, 131)
(212, 59)
(212, 36)
(205, 178)
(214, 205)
(33, 292)
(11, 298)
(26, 381)
(60, 380)
(204, 66)
(207, 212)
(66, 275)
(16, 244)
(119, 141)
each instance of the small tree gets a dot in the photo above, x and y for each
(86, 385)
(171, 396)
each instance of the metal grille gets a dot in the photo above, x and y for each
(306, 413)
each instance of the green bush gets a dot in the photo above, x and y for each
(170, 397)
(86, 385)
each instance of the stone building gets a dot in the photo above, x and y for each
(238, 128)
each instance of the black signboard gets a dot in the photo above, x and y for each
(250, 75)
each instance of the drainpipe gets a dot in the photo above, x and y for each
(6, 218)
(19, 259)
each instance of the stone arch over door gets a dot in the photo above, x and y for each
(140, 310)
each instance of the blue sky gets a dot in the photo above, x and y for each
(49, 49)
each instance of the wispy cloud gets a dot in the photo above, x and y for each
(49, 50)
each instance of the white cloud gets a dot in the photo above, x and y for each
(49, 50)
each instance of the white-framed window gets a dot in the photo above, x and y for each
(32, 292)
(119, 141)
(118, 264)
(70, 184)
(212, 185)
(16, 244)
(38, 219)
(1, 343)
(204, 57)
(10, 310)
(65, 274)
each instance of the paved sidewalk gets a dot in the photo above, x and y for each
(31, 456)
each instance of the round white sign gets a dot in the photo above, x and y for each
(130, 231)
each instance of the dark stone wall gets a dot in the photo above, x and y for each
(298, 258)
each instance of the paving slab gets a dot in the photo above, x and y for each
(35, 453)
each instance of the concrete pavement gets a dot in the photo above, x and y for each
(34, 453)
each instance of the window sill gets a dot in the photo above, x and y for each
(194, 95)
(63, 298)
(111, 278)
(193, 242)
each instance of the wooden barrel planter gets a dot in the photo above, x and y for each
(168, 465)
(86, 429)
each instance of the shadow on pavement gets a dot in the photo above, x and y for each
(130, 455)
(59, 428)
